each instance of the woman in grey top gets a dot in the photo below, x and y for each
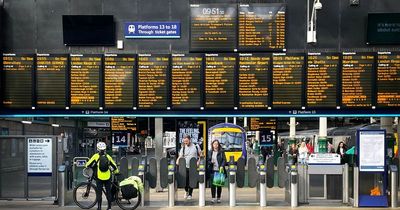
(215, 160)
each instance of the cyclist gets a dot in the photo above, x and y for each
(101, 163)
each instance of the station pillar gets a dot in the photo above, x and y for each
(158, 141)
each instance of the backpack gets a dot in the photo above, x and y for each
(104, 163)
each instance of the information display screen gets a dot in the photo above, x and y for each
(152, 81)
(262, 27)
(388, 79)
(254, 80)
(287, 77)
(119, 71)
(213, 27)
(85, 81)
(322, 71)
(357, 72)
(17, 77)
(383, 28)
(51, 79)
(219, 81)
(186, 81)
(260, 123)
(123, 124)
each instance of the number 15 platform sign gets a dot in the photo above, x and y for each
(152, 30)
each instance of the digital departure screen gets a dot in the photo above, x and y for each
(119, 71)
(262, 27)
(186, 81)
(388, 79)
(152, 81)
(85, 81)
(123, 124)
(220, 80)
(322, 71)
(260, 123)
(213, 27)
(254, 71)
(51, 81)
(17, 78)
(287, 77)
(357, 71)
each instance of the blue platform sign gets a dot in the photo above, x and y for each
(152, 30)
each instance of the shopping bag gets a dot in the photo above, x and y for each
(219, 178)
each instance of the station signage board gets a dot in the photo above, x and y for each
(39, 157)
(152, 30)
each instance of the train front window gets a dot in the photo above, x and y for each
(230, 141)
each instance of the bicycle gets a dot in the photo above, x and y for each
(84, 194)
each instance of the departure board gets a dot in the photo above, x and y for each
(254, 70)
(17, 78)
(119, 71)
(357, 71)
(152, 81)
(287, 77)
(123, 124)
(388, 79)
(260, 123)
(186, 80)
(262, 27)
(322, 71)
(51, 81)
(213, 27)
(85, 81)
(220, 80)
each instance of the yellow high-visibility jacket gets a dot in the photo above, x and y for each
(99, 174)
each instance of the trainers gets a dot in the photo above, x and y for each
(189, 197)
(219, 200)
(185, 196)
(213, 200)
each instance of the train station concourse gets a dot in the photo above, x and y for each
(160, 104)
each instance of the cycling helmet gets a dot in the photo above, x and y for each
(101, 146)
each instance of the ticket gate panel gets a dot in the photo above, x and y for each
(164, 172)
(252, 173)
(282, 174)
(193, 174)
(269, 164)
(152, 174)
(135, 166)
(240, 174)
(123, 166)
(181, 175)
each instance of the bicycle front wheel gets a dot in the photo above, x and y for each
(128, 204)
(85, 195)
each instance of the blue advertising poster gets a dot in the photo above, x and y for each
(154, 30)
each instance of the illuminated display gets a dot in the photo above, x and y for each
(17, 78)
(51, 81)
(213, 27)
(220, 80)
(186, 79)
(262, 27)
(85, 80)
(321, 74)
(254, 80)
(357, 71)
(118, 81)
(152, 81)
(388, 79)
(287, 77)
(123, 124)
(259, 123)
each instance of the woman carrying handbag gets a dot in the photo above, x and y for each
(216, 170)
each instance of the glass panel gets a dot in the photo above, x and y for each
(316, 185)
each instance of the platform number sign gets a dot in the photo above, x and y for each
(266, 137)
(120, 139)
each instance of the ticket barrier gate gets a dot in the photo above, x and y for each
(232, 181)
(291, 186)
(171, 183)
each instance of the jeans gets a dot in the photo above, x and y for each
(188, 189)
